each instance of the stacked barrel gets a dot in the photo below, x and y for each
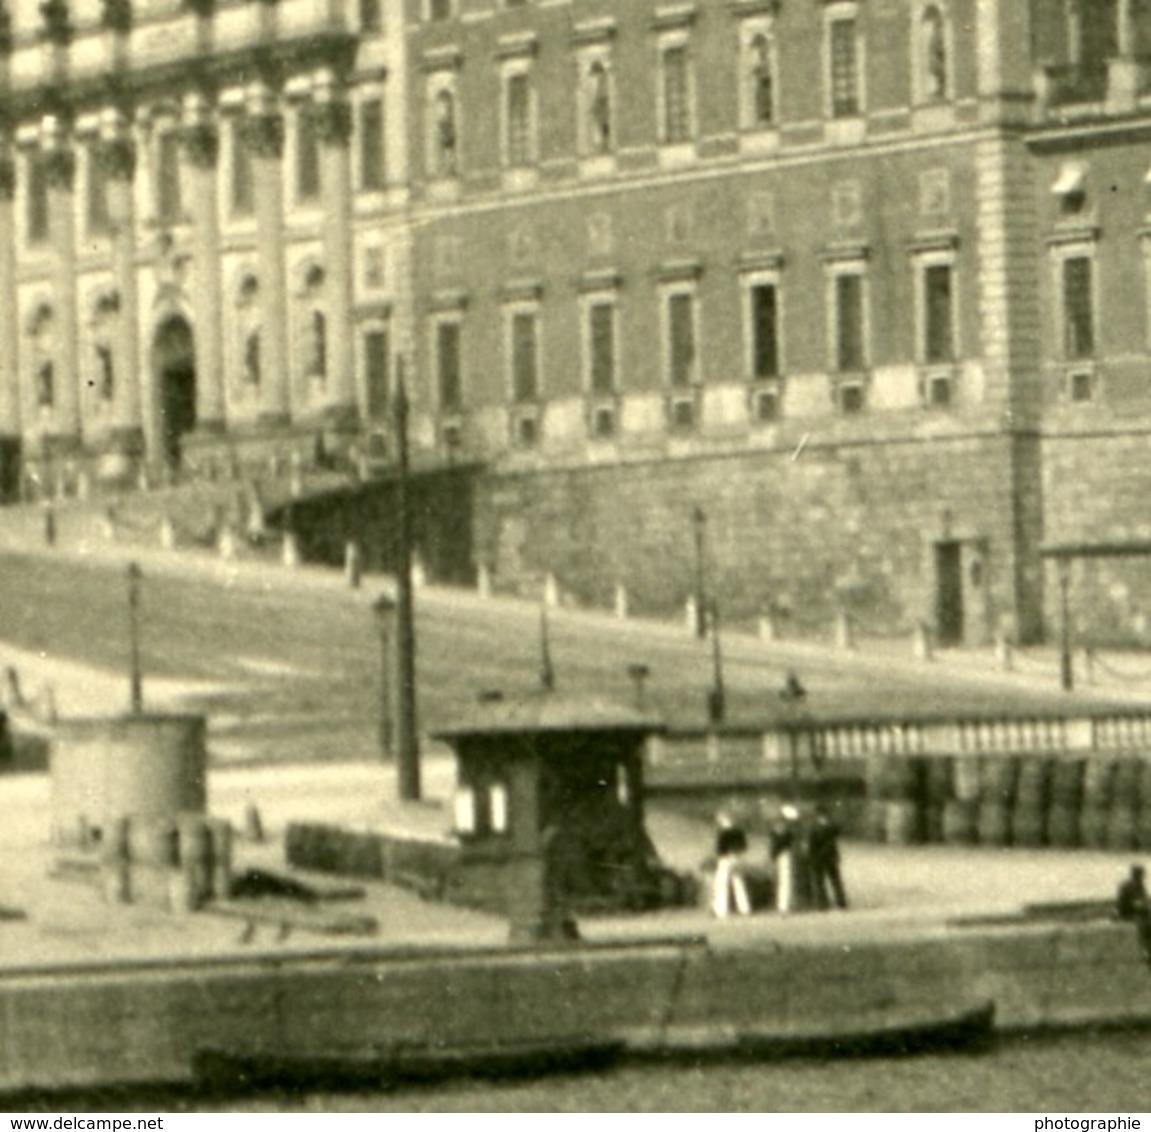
(1027, 800)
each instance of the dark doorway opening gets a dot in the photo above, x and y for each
(949, 593)
(174, 364)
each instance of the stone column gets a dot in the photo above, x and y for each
(201, 149)
(60, 172)
(334, 125)
(9, 321)
(119, 157)
(264, 135)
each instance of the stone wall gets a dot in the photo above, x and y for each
(797, 530)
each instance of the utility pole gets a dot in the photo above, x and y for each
(407, 735)
(385, 608)
(1067, 671)
(699, 522)
(717, 700)
(136, 680)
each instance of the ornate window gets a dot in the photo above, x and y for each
(934, 67)
(169, 198)
(598, 102)
(844, 61)
(307, 154)
(443, 129)
(518, 116)
(36, 220)
(675, 93)
(760, 79)
(373, 168)
(242, 195)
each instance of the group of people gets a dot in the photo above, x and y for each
(805, 863)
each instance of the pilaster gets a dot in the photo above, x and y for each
(60, 172)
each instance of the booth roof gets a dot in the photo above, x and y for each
(547, 712)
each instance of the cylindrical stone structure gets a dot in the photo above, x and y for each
(142, 767)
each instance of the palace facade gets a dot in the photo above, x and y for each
(866, 283)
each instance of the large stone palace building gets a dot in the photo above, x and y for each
(865, 283)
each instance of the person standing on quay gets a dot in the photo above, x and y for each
(826, 878)
(730, 885)
(787, 852)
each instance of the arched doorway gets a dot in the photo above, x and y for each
(174, 364)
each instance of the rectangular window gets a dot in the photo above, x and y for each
(370, 17)
(681, 340)
(98, 218)
(1078, 308)
(844, 68)
(764, 331)
(519, 113)
(372, 169)
(939, 332)
(37, 199)
(448, 366)
(242, 195)
(377, 366)
(676, 105)
(169, 203)
(601, 346)
(525, 359)
(849, 355)
(307, 156)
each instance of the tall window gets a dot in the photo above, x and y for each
(601, 348)
(1078, 308)
(518, 93)
(844, 61)
(444, 134)
(307, 155)
(448, 376)
(371, 20)
(377, 373)
(680, 339)
(98, 218)
(938, 317)
(242, 195)
(764, 310)
(37, 198)
(372, 169)
(525, 356)
(169, 203)
(849, 343)
(676, 94)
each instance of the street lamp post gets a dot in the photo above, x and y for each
(384, 608)
(135, 678)
(699, 522)
(717, 699)
(407, 737)
(1067, 671)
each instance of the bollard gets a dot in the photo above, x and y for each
(295, 475)
(13, 693)
(1089, 666)
(226, 543)
(419, 574)
(767, 629)
(167, 533)
(108, 524)
(844, 639)
(690, 614)
(921, 641)
(49, 525)
(1004, 654)
(116, 869)
(220, 832)
(621, 601)
(483, 582)
(291, 551)
(551, 591)
(353, 564)
(253, 825)
(195, 861)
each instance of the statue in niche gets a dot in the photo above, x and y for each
(106, 377)
(446, 132)
(316, 346)
(934, 54)
(762, 84)
(599, 108)
(45, 384)
(252, 357)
